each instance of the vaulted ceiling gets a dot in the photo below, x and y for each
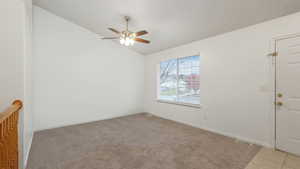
(170, 23)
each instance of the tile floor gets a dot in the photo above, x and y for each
(272, 159)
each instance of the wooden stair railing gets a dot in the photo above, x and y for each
(9, 136)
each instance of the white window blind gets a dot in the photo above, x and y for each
(179, 80)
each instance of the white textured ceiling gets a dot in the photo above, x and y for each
(170, 23)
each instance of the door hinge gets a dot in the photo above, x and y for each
(273, 54)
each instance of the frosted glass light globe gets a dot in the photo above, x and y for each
(122, 41)
(131, 41)
(127, 42)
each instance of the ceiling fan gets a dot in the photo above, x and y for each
(127, 37)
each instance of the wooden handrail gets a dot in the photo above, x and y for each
(16, 106)
(9, 136)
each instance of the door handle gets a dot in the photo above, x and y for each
(279, 103)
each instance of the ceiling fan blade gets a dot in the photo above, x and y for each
(114, 30)
(110, 38)
(140, 33)
(141, 40)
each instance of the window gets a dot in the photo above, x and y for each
(179, 80)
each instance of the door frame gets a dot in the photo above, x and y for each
(273, 49)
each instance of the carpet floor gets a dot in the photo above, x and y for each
(137, 141)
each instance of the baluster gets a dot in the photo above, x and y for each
(9, 136)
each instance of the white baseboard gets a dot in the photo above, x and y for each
(251, 141)
(234, 136)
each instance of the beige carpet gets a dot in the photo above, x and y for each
(136, 142)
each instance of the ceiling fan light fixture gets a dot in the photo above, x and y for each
(127, 37)
(127, 40)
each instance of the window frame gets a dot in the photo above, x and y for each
(194, 105)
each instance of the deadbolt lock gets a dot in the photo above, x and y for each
(279, 103)
(279, 95)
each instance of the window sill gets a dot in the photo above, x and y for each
(180, 103)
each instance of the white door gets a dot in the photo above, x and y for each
(288, 95)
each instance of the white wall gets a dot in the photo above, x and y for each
(236, 81)
(15, 52)
(11, 52)
(80, 78)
